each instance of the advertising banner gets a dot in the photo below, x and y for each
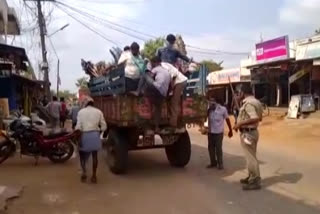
(273, 50)
(222, 77)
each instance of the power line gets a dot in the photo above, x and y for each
(86, 26)
(105, 21)
(218, 51)
(109, 23)
(115, 17)
(213, 54)
(54, 49)
(95, 18)
(113, 2)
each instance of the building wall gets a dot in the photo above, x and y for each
(2, 41)
(7, 90)
(9, 24)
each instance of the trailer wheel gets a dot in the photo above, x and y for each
(179, 153)
(117, 152)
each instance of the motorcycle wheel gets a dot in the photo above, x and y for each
(62, 152)
(6, 149)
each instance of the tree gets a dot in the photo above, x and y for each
(67, 95)
(151, 47)
(213, 66)
(180, 45)
(64, 93)
(317, 32)
(82, 83)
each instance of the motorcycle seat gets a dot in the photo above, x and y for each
(55, 135)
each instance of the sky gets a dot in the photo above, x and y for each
(230, 25)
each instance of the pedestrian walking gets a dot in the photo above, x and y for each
(91, 123)
(250, 115)
(217, 114)
(74, 113)
(54, 108)
(63, 112)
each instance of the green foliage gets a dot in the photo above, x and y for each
(64, 93)
(212, 65)
(151, 47)
(82, 83)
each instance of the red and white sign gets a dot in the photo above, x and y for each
(223, 76)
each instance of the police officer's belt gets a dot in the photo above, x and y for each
(247, 129)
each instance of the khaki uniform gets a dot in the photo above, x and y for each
(249, 136)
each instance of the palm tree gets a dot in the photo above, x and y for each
(82, 82)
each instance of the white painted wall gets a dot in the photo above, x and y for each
(4, 16)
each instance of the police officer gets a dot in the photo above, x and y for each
(250, 115)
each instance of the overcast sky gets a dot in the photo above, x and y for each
(231, 25)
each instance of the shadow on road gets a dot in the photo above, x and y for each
(288, 178)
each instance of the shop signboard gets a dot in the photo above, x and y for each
(223, 76)
(308, 51)
(297, 75)
(272, 50)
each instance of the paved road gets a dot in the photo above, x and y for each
(291, 185)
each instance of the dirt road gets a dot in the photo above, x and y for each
(290, 185)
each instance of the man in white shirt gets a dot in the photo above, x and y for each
(179, 82)
(217, 114)
(91, 123)
(134, 66)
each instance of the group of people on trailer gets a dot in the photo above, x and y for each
(154, 79)
(157, 78)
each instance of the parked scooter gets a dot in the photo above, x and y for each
(57, 147)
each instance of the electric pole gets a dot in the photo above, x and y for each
(58, 77)
(44, 66)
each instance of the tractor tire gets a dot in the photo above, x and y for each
(179, 153)
(117, 152)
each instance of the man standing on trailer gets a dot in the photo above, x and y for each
(169, 54)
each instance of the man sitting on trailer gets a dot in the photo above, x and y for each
(157, 85)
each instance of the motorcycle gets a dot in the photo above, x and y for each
(57, 147)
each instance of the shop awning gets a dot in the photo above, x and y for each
(9, 49)
(308, 51)
(6, 50)
(233, 75)
(271, 64)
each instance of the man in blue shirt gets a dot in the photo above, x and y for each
(169, 54)
(217, 114)
(157, 85)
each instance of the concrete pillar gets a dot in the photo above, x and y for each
(279, 94)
